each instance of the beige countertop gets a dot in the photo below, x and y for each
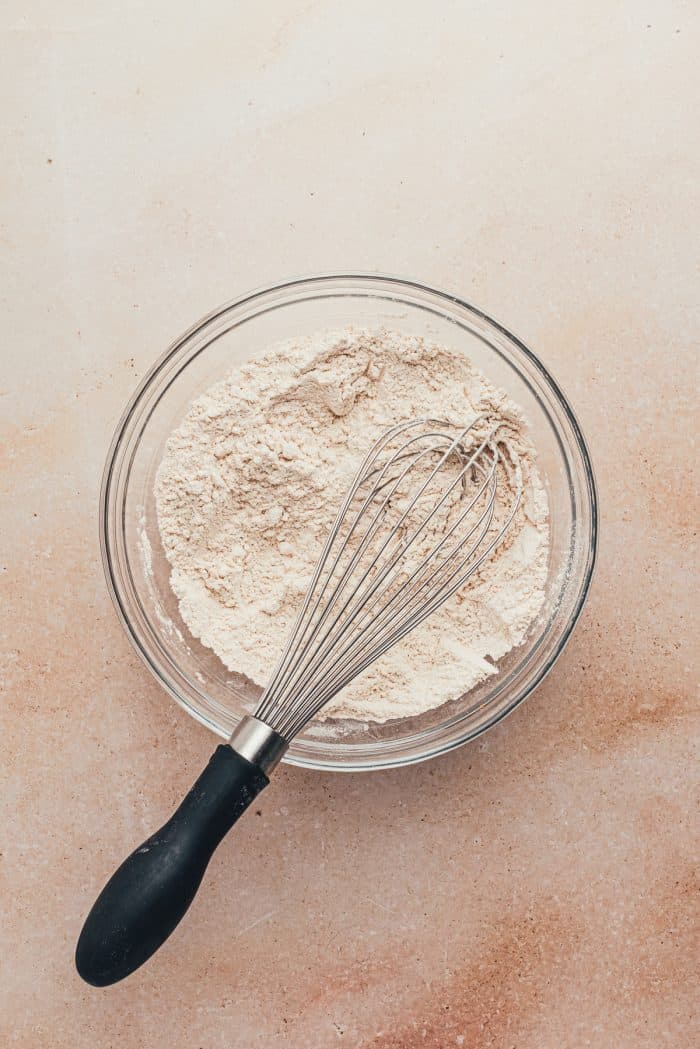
(531, 890)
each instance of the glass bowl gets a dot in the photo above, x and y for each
(137, 571)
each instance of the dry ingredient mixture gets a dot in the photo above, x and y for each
(252, 479)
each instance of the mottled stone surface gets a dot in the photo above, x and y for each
(533, 890)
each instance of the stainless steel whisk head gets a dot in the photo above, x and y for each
(429, 504)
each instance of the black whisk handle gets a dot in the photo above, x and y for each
(149, 894)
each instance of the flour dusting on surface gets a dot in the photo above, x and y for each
(252, 479)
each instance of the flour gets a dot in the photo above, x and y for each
(252, 479)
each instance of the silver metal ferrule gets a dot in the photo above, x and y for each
(258, 743)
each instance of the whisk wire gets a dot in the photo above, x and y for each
(309, 671)
(384, 632)
(300, 642)
(374, 592)
(267, 700)
(408, 623)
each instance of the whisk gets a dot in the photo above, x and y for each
(429, 504)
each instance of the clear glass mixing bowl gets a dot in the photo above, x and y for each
(137, 570)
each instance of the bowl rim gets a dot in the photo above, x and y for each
(378, 762)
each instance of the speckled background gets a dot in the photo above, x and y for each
(535, 889)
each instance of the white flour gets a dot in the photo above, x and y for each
(251, 482)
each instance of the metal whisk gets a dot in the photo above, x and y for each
(428, 506)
